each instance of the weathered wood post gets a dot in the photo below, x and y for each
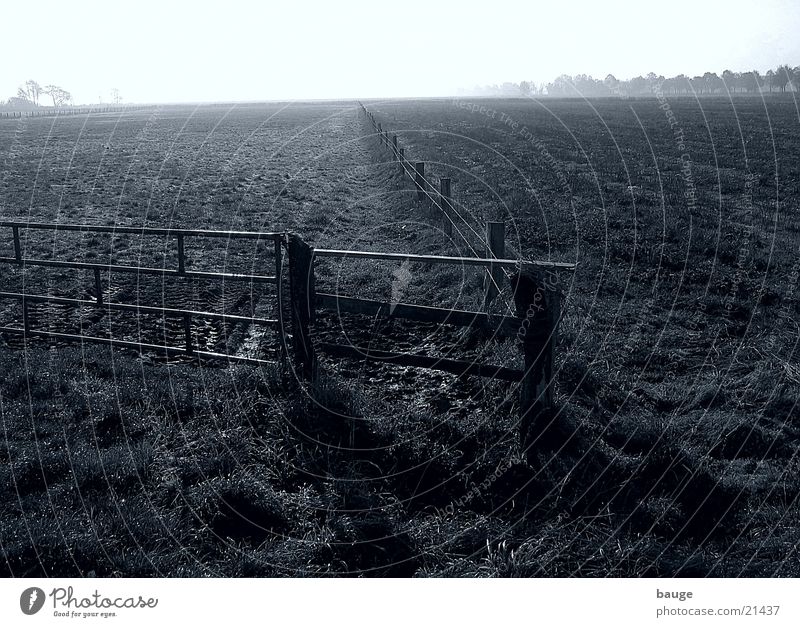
(181, 263)
(419, 179)
(537, 301)
(447, 206)
(98, 287)
(187, 333)
(303, 294)
(394, 147)
(496, 249)
(17, 247)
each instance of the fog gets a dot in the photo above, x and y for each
(238, 51)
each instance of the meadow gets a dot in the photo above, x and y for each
(677, 379)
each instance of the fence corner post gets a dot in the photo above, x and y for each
(496, 249)
(302, 295)
(537, 302)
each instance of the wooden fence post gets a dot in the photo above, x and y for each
(303, 296)
(282, 343)
(98, 287)
(447, 207)
(496, 249)
(17, 247)
(394, 147)
(187, 333)
(419, 179)
(181, 263)
(538, 305)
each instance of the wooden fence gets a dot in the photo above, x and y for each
(439, 201)
(58, 112)
(533, 327)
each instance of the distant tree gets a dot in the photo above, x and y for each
(730, 80)
(638, 85)
(59, 95)
(760, 80)
(750, 81)
(698, 84)
(783, 76)
(561, 86)
(34, 90)
(115, 97)
(707, 83)
(17, 102)
(525, 88)
(769, 79)
(712, 82)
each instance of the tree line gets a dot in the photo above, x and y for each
(778, 80)
(32, 94)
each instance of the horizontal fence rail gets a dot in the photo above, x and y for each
(137, 346)
(143, 230)
(146, 309)
(453, 366)
(100, 303)
(503, 325)
(466, 261)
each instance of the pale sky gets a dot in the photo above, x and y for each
(162, 51)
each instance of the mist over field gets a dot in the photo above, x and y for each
(435, 291)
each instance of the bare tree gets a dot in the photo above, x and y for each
(115, 97)
(34, 90)
(60, 96)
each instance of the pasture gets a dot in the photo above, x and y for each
(676, 379)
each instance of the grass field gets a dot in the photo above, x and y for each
(676, 368)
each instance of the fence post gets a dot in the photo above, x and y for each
(303, 295)
(181, 263)
(187, 333)
(447, 208)
(17, 247)
(419, 179)
(496, 244)
(394, 147)
(537, 302)
(98, 287)
(282, 343)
